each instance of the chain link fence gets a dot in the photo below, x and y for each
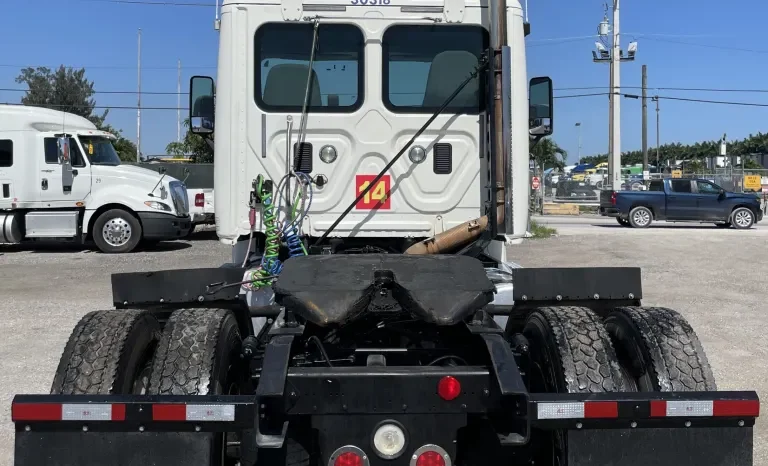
(585, 188)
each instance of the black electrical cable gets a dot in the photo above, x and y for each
(320, 346)
(373, 182)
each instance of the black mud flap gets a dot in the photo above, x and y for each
(702, 446)
(112, 449)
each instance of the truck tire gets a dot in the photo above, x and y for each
(108, 352)
(659, 351)
(571, 344)
(570, 352)
(742, 218)
(640, 217)
(116, 231)
(195, 356)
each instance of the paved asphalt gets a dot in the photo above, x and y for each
(716, 278)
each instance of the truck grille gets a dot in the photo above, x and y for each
(179, 197)
(442, 159)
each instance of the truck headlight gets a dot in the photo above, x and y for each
(417, 154)
(157, 205)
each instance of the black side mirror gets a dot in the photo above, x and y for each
(540, 103)
(201, 105)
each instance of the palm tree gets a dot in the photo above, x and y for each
(548, 153)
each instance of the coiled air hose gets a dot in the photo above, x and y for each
(270, 261)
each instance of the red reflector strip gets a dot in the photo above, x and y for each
(90, 412)
(601, 409)
(194, 412)
(727, 408)
(35, 412)
(578, 410)
(169, 412)
(68, 412)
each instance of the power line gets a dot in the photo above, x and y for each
(108, 92)
(709, 46)
(722, 102)
(144, 2)
(98, 107)
(659, 88)
(108, 67)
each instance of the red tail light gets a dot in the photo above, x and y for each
(349, 458)
(199, 200)
(613, 198)
(430, 458)
(448, 388)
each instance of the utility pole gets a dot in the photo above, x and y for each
(614, 160)
(578, 125)
(178, 105)
(645, 119)
(614, 57)
(656, 99)
(138, 107)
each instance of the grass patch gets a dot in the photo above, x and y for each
(541, 231)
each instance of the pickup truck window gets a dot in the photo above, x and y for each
(656, 185)
(705, 187)
(681, 186)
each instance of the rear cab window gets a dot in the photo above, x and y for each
(282, 58)
(424, 64)
(656, 185)
(680, 186)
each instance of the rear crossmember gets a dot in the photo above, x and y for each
(133, 413)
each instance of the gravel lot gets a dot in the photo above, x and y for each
(713, 277)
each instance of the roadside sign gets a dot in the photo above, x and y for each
(646, 175)
(753, 182)
(677, 173)
(535, 182)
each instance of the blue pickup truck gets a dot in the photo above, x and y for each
(682, 200)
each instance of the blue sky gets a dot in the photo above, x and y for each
(677, 40)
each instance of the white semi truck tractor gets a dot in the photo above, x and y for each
(371, 167)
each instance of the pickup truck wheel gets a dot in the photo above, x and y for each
(570, 352)
(742, 218)
(640, 217)
(659, 350)
(116, 231)
(108, 352)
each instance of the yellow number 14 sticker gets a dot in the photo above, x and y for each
(377, 197)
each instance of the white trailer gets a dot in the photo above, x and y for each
(61, 179)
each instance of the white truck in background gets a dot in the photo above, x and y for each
(61, 179)
(200, 207)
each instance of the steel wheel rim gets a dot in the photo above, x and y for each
(116, 232)
(641, 217)
(742, 218)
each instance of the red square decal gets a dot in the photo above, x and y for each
(377, 197)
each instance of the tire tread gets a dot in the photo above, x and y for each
(678, 361)
(90, 363)
(588, 359)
